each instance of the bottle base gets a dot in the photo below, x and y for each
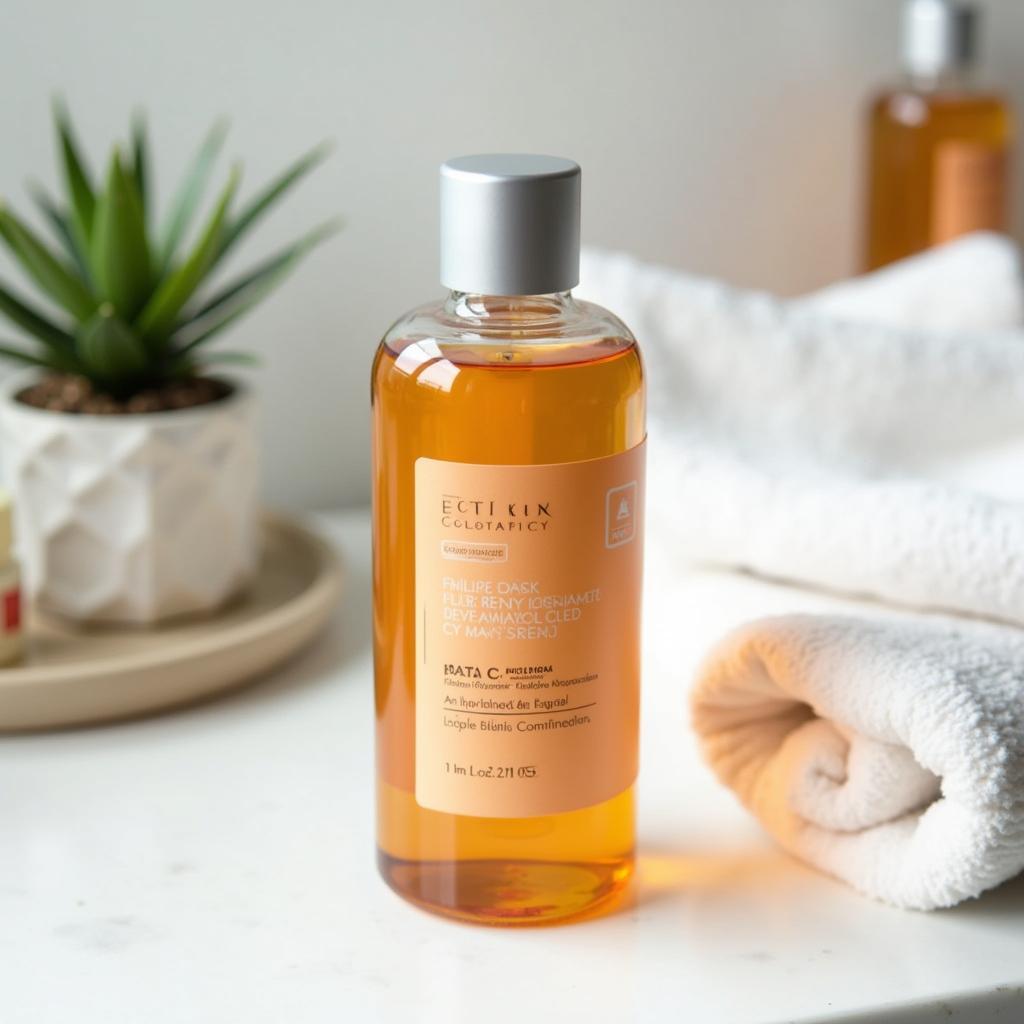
(504, 892)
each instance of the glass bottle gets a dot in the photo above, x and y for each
(939, 145)
(508, 430)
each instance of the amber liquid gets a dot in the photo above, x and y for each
(938, 169)
(499, 404)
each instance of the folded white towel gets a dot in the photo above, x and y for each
(813, 441)
(859, 457)
(970, 284)
(836, 733)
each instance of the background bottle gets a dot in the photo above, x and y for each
(939, 146)
(508, 429)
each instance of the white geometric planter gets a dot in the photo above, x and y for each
(133, 518)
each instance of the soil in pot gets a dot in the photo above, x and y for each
(66, 393)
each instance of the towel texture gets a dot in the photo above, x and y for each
(868, 439)
(890, 754)
(875, 457)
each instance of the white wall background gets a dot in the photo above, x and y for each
(722, 136)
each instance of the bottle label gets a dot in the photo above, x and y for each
(528, 634)
(969, 192)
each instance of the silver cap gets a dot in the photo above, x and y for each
(938, 36)
(510, 224)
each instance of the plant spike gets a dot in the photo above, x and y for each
(81, 194)
(261, 203)
(40, 264)
(161, 312)
(209, 326)
(186, 364)
(120, 251)
(18, 312)
(62, 229)
(189, 194)
(266, 273)
(20, 356)
(140, 162)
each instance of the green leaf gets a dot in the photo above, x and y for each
(44, 268)
(81, 194)
(215, 326)
(20, 356)
(120, 253)
(189, 364)
(229, 358)
(140, 162)
(62, 228)
(187, 198)
(220, 312)
(262, 202)
(161, 312)
(186, 365)
(35, 323)
(109, 349)
(266, 275)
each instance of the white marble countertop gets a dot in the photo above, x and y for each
(217, 864)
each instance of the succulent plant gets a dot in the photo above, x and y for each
(129, 304)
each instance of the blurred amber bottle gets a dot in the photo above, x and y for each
(939, 146)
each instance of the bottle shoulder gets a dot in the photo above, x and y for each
(520, 330)
(904, 101)
(528, 319)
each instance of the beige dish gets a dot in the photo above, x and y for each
(74, 675)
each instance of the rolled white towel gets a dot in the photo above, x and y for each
(889, 754)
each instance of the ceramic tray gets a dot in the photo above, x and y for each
(74, 675)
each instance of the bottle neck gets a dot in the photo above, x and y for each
(959, 79)
(519, 309)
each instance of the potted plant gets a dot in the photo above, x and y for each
(134, 468)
